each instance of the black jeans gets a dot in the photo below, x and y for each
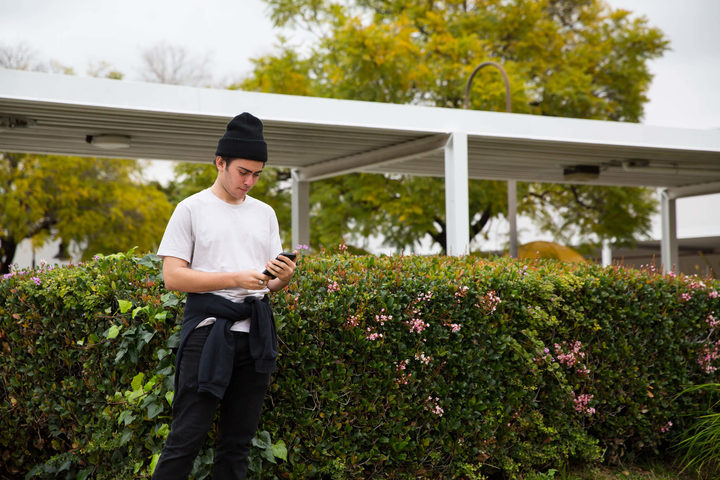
(193, 414)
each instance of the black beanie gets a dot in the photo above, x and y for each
(243, 139)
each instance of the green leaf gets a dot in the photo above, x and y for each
(146, 336)
(169, 299)
(125, 305)
(84, 473)
(112, 332)
(149, 260)
(262, 440)
(126, 417)
(137, 381)
(153, 462)
(279, 450)
(154, 410)
(163, 431)
(127, 435)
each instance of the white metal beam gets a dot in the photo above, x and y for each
(512, 216)
(668, 242)
(457, 216)
(693, 190)
(394, 153)
(300, 211)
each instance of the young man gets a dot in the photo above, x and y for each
(215, 247)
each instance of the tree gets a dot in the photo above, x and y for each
(174, 65)
(19, 57)
(585, 213)
(93, 205)
(570, 58)
(104, 69)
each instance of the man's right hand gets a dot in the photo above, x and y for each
(252, 280)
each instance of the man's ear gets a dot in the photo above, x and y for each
(219, 162)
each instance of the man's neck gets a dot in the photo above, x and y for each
(218, 190)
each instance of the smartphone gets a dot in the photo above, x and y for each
(289, 255)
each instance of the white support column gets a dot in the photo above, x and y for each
(457, 216)
(606, 253)
(668, 242)
(300, 211)
(512, 216)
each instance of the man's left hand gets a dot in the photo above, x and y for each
(283, 268)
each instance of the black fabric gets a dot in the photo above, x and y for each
(243, 139)
(215, 366)
(193, 413)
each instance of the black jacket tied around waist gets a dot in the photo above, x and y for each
(216, 360)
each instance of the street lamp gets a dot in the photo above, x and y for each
(508, 106)
(511, 184)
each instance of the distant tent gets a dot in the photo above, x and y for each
(542, 249)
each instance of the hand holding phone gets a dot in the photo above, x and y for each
(289, 255)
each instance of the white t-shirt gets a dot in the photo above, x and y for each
(216, 236)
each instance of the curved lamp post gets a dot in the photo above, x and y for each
(508, 106)
(511, 184)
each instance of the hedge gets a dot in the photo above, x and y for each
(398, 367)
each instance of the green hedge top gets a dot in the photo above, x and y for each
(390, 367)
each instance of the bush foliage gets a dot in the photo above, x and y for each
(391, 367)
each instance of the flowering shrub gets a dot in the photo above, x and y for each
(390, 367)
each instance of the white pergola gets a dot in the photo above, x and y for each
(320, 138)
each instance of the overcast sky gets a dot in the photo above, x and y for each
(684, 92)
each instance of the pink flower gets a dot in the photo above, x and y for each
(382, 318)
(403, 377)
(582, 402)
(455, 327)
(489, 302)
(423, 358)
(708, 354)
(372, 335)
(431, 404)
(333, 287)
(353, 321)
(665, 427)
(36, 280)
(712, 321)
(424, 297)
(461, 293)
(571, 357)
(417, 325)
(685, 297)
(713, 294)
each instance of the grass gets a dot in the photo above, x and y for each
(653, 470)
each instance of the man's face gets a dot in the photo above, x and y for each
(239, 177)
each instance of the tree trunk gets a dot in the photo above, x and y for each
(441, 236)
(7, 254)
